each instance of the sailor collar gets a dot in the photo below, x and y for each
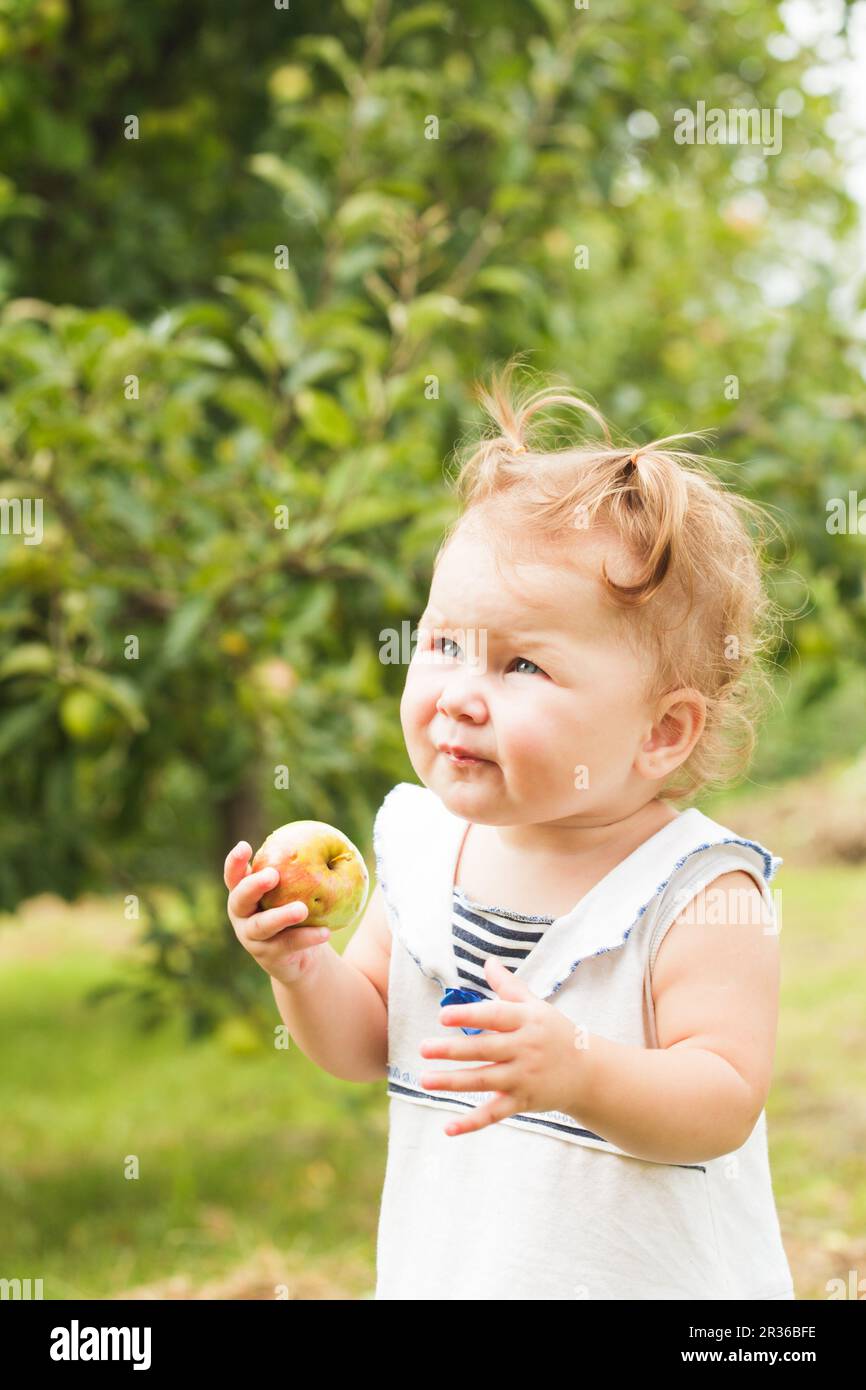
(424, 842)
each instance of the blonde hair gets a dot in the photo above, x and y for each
(689, 537)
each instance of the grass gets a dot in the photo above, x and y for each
(255, 1169)
(237, 1150)
(817, 1111)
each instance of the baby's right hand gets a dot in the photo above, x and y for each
(273, 937)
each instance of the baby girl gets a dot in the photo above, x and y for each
(570, 986)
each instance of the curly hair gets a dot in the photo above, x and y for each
(697, 605)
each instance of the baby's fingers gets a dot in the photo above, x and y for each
(236, 863)
(263, 925)
(244, 897)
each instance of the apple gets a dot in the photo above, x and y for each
(318, 866)
(88, 719)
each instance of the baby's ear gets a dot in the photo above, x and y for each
(680, 720)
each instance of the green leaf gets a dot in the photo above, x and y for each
(301, 197)
(369, 210)
(29, 659)
(359, 10)
(184, 627)
(249, 402)
(367, 512)
(209, 351)
(330, 51)
(313, 615)
(324, 419)
(119, 692)
(555, 13)
(503, 279)
(428, 311)
(420, 17)
(19, 727)
(357, 261)
(315, 365)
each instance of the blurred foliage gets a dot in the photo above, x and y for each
(169, 644)
(281, 294)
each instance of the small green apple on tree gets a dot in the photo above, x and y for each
(318, 866)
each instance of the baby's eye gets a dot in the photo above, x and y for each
(530, 663)
(438, 640)
(437, 646)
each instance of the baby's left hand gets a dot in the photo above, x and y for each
(534, 1053)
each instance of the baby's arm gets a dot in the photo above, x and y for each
(337, 1011)
(699, 1094)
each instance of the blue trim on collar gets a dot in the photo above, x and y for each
(771, 864)
(431, 946)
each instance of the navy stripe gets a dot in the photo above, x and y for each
(478, 961)
(475, 981)
(475, 950)
(478, 921)
(395, 1090)
(471, 956)
(491, 948)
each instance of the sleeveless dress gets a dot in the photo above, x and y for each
(538, 1206)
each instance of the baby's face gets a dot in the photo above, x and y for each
(536, 679)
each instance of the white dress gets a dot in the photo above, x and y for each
(538, 1206)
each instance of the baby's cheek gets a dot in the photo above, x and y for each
(417, 704)
(531, 742)
(409, 709)
(559, 748)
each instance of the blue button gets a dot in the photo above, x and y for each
(463, 996)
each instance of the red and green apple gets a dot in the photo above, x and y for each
(318, 866)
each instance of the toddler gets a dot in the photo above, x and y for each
(570, 985)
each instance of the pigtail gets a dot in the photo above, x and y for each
(648, 500)
(512, 410)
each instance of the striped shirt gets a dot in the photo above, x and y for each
(479, 931)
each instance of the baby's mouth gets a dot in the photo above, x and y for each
(463, 759)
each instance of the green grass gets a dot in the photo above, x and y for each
(260, 1163)
(817, 1114)
(235, 1152)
